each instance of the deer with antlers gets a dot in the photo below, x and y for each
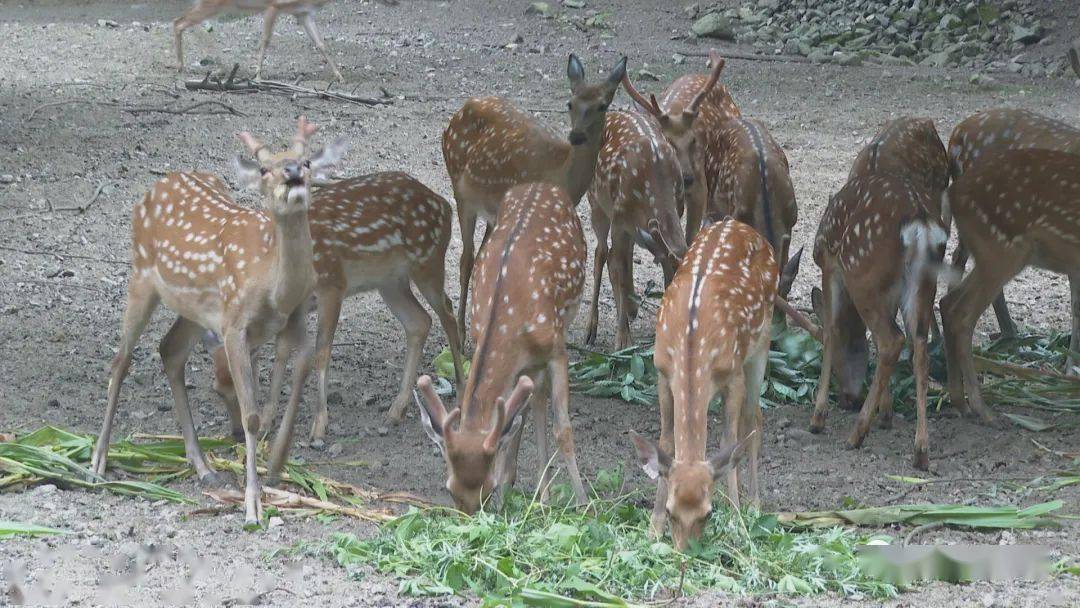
(241, 273)
(690, 112)
(1012, 209)
(528, 284)
(490, 146)
(712, 335)
(985, 135)
(634, 197)
(381, 232)
(302, 10)
(879, 246)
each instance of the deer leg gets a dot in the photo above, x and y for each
(279, 451)
(431, 287)
(752, 420)
(508, 463)
(238, 351)
(291, 335)
(828, 349)
(622, 248)
(734, 401)
(270, 16)
(401, 301)
(564, 433)
(1072, 362)
(1004, 319)
(329, 305)
(223, 386)
(889, 340)
(540, 426)
(601, 226)
(467, 223)
(307, 21)
(141, 302)
(175, 348)
(921, 364)
(658, 521)
(198, 13)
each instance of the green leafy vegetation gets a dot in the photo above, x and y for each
(10, 529)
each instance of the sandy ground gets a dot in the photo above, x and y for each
(62, 273)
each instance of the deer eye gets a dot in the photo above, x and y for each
(603, 107)
(569, 105)
(307, 164)
(264, 170)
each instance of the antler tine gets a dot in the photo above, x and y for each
(519, 397)
(717, 67)
(253, 145)
(435, 407)
(304, 130)
(651, 108)
(658, 238)
(492, 440)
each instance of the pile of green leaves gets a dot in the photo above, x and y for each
(628, 374)
(602, 556)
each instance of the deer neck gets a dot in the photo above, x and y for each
(579, 165)
(292, 266)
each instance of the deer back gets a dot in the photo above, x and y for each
(1001, 129)
(717, 106)
(908, 147)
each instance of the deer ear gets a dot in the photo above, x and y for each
(817, 302)
(617, 73)
(654, 461)
(248, 172)
(434, 433)
(575, 72)
(787, 274)
(729, 456)
(329, 157)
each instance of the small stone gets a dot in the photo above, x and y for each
(791, 47)
(382, 431)
(783, 423)
(317, 444)
(7, 178)
(1024, 35)
(950, 22)
(54, 403)
(678, 59)
(107, 23)
(540, 8)
(275, 522)
(335, 449)
(574, 3)
(644, 74)
(848, 59)
(713, 25)
(801, 435)
(904, 49)
(691, 11)
(45, 489)
(983, 81)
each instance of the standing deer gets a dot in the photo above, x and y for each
(490, 146)
(241, 273)
(984, 135)
(1012, 209)
(383, 232)
(754, 186)
(690, 111)
(528, 285)
(635, 197)
(712, 335)
(302, 10)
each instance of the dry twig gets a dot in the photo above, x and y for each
(231, 85)
(224, 108)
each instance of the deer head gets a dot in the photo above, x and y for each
(284, 178)
(677, 123)
(851, 354)
(589, 102)
(690, 484)
(471, 454)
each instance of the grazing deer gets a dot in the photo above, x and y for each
(690, 112)
(634, 197)
(754, 187)
(993, 131)
(490, 146)
(302, 10)
(1012, 209)
(528, 286)
(381, 232)
(241, 273)
(712, 335)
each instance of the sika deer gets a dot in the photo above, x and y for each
(528, 287)
(690, 111)
(712, 334)
(994, 131)
(490, 146)
(380, 232)
(302, 10)
(634, 197)
(239, 272)
(909, 148)
(1012, 209)
(754, 187)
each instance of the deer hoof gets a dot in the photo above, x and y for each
(922, 459)
(317, 444)
(817, 425)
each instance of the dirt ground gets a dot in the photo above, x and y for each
(63, 273)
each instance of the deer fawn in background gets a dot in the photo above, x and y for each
(635, 197)
(690, 112)
(490, 146)
(985, 135)
(1012, 209)
(712, 335)
(382, 232)
(910, 148)
(302, 10)
(241, 273)
(879, 246)
(528, 287)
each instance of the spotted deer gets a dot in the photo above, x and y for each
(1012, 209)
(690, 111)
(911, 149)
(302, 10)
(490, 146)
(528, 286)
(984, 135)
(754, 187)
(712, 336)
(634, 198)
(241, 273)
(381, 232)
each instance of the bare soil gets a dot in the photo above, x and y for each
(63, 273)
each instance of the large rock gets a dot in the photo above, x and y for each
(904, 49)
(713, 25)
(1024, 35)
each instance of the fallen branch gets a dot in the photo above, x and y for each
(283, 499)
(916, 486)
(84, 207)
(63, 256)
(746, 56)
(1002, 368)
(230, 85)
(225, 108)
